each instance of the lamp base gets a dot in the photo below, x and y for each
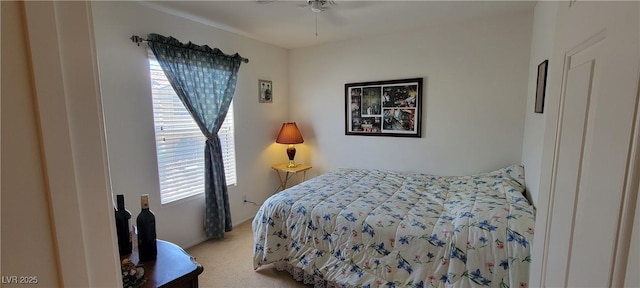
(291, 152)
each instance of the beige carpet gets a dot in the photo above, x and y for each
(229, 263)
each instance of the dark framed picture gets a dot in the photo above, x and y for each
(265, 91)
(384, 108)
(541, 86)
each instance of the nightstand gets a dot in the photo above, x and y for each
(288, 173)
(173, 267)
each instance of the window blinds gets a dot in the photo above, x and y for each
(180, 144)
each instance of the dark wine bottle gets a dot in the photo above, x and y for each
(122, 226)
(146, 221)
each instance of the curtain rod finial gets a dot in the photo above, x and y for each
(136, 39)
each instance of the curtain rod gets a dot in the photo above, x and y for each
(137, 39)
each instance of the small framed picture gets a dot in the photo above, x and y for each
(541, 86)
(265, 91)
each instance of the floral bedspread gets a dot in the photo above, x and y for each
(371, 228)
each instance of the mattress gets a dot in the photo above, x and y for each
(371, 228)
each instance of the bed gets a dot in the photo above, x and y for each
(373, 228)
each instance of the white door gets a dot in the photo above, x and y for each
(587, 162)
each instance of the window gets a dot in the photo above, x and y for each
(180, 144)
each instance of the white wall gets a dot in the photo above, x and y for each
(632, 277)
(475, 83)
(542, 40)
(128, 114)
(27, 232)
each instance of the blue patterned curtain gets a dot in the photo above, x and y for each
(205, 80)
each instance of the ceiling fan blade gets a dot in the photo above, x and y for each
(327, 4)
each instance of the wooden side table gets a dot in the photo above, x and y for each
(172, 268)
(288, 173)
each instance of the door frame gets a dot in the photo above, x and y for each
(69, 111)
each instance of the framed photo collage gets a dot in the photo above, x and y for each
(384, 108)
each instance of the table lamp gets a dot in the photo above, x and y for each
(289, 134)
